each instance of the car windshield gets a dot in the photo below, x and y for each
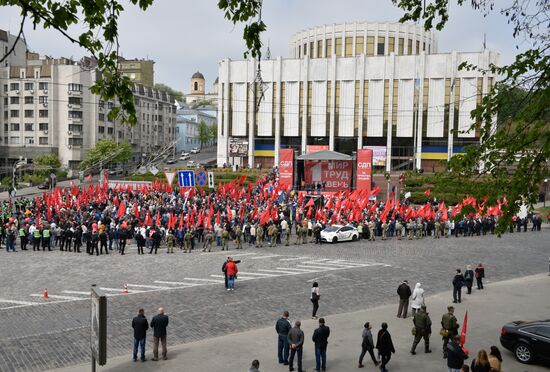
(332, 228)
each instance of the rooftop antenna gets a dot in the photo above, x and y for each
(268, 52)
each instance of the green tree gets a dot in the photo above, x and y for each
(176, 94)
(43, 165)
(204, 133)
(213, 132)
(106, 152)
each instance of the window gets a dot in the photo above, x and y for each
(391, 45)
(359, 45)
(75, 87)
(29, 113)
(328, 48)
(401, 46)
(14, 127)
(43, 140)
(14, 113)
(349, 47)
(110, 131)
(195, 87)
(29, 140)
(544, 332)
(75, 141)
(5, 100)
(14, 86)
(338, 46)
(75, 128)
(75, 114)
(14, 100)
(75, 100)
(43, 99)
(29, 86)
(410, 47)
(319, 48)
(101, 129)
(14, 140)
(5, 88)
(132, 75)
(43, 126)
(29, 100)
(29, 127)
(380, 48)
(370, 45)
(42, 113)
(101, 117)
(110, 105)
(305, 49)
(101, 104)
(43, 86)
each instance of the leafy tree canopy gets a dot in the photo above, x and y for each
(106, 152)
(43, 165)
(174, 93)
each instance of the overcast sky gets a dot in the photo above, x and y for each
(184, 36)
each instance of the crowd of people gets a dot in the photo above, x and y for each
(99, 219)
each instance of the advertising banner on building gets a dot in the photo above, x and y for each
(315, 148)
(286, 166)
(334, 175)
(378, 155)
(364, 170)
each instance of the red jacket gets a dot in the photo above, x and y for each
(231, 268)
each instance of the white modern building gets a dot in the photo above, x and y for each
(350, 86)
(46, 107)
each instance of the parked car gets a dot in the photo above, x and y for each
(191, 164)
(170, 161)
(339, 233)
(116, 170)
(528, 341)
(185, 153)
(195, 150)
(44, 186)
(184, 156)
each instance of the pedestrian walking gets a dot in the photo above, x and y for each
(296, 342)
(480, 274)
(481, 362)
(385, 347)
(417, 298)
(458, 282)
(320, 338)
(282, 327)
(449, 328)
(314, 298)
(404, 292)
(255, 366)
(469, 278)
(367, 345)
(455, 355)
(140, 326)
(495, 359)
(159, 324)
(232, 270)
(422, 330)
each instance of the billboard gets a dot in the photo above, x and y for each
(315, 148)
(286, 166)
(378, 155)
(364, 170)
(336, 175)
(238, 149)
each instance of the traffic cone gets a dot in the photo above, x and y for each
(45, 294)
(125, 290)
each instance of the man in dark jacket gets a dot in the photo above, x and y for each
(282, 327)
(140, 326)
(455, 355)
(423, 329)
(159, 324)
(384, 344)
(320, 338)
(296, 342)
(458, 282)
(404, 292)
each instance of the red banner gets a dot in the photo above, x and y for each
(335, 175)
(315, 148)
(364, 170)
(286, 166)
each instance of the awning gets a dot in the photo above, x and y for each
(324, 155)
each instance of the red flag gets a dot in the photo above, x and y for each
(427, 192)
(300, 198)
(181, 221)
(148, 221)
(136, 210)
(121, 210)
(464, 329)
(329, 204)
(218, 217)
(310, 203)
(89, 178)
(375, 190)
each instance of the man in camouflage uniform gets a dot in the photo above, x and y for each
(287, 237)
(410, 229)
(437, 233)
(259, 236)
(208, 239)
(298, 234)
(187, 241)
(449, 325)
(384, 230)
(423, 329)
(238, 237)
(371, 231)
(398, 229)
(225, 240)
(445, 226)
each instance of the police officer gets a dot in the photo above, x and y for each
(238, 237)
(208, 239)
(449, 328)
(423, 329)
(23, 237)
(225, 239)
(46, 236)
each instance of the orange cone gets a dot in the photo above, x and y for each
(45, 294)
(125, 290)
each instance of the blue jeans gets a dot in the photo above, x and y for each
(139, 343)
(231, 282)
(454, 369)
(299, 361)
(282, 349)
(10, 243)
(320, 358)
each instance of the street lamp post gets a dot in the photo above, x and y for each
(545, 191)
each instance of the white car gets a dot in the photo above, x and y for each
(195, 150)
(191, 164)
(184, 157)
(339, 233)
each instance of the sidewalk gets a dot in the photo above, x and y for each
(517, 299)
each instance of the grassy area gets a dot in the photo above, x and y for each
(544, 211)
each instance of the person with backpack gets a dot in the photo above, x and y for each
(469, 278)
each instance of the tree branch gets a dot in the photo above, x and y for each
(10, 51)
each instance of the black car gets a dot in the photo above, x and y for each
(527, 340)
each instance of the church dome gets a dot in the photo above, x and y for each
(197, 75)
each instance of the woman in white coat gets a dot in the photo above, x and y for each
(417, 298)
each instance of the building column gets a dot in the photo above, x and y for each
(420, 117)
(450, 133)
(278, 65)
(361, 101)
(251, 114)
(303, 79)
(332, 103)
(223, 120)
(389, 128)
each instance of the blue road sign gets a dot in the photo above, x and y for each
(186, 178)
(201, 178)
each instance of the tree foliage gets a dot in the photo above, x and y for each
(46, 164)
(178, 95)
(106, 152)
(204, 133)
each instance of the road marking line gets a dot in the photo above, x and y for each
(296, 269)
(60, 297)
(16, 302)
(119, 290)
(229, 254)
(176, 283)
(248, 273)
(321, 268)
(238, 277)
(147, 286)
(205, 280)
(270, 256)
(284, 272)
(293, 258)
(77, 292)
(333, 264)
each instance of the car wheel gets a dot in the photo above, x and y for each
(523, 353)
(354, 238)
(335, 240)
